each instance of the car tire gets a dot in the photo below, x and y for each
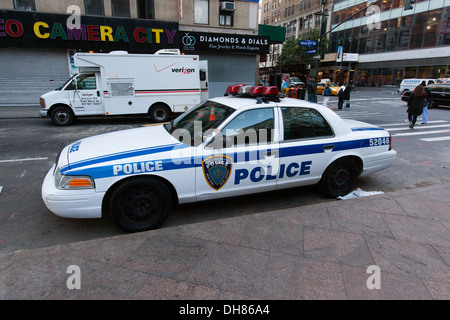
(159, 113)
(340, 177)
(140, 204)
(62, 116)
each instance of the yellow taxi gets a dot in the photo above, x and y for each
(334, 88)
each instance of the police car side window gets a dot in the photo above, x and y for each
(250, 127)
(302, 123)
(321, 126)
(297, 123)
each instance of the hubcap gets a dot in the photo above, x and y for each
(140, 205)
(62, 116)
(160, 114)
(340, 177)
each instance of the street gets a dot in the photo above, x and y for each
(29, 146)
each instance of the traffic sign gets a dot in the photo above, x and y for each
(311, 51)
(308, 43)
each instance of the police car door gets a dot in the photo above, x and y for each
(306, 148)
(242, 159)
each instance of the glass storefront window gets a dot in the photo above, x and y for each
(410, 72)
(424, 72)
(27, 5)
(94, 7)
(418, 28)
(438, 72)
(444, 28)
(201, 11)
(120, 8)
(404, 33)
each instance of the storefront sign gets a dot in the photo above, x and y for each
(223, 43)
(44, 30)
(350, 57)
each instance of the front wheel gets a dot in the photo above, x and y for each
(340, 177)
(62, 116)
(140, 204)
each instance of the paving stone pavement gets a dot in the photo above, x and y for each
(316, 252)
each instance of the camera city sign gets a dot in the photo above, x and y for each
(33, 29)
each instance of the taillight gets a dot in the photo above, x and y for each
(390, 142)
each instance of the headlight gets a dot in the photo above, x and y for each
(64, 182)
(42, 101)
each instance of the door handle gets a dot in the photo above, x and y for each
(328, 147)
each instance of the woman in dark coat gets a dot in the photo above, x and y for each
(416, 101)
(346, 96)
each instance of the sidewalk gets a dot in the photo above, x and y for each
(21, 111)
(312, 252)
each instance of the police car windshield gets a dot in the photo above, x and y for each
(198, 122)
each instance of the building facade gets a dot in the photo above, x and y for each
(392, 43)
(37, 38)
(297, 16)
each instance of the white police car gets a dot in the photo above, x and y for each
(226, 146)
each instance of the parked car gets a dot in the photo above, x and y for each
(224, 147)
(440, 94)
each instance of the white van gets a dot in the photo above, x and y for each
(411, 84)
(118, 83)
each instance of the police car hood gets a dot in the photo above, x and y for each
(148, 142)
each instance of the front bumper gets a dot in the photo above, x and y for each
(43, 113)
(71, 203)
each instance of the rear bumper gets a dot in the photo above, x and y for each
(377, 162)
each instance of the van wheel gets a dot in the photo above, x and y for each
(159, 113)
(62, 116)
(140, 204)
(340, 178)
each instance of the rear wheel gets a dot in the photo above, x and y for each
(160, 113)
(340, 177)
(140, 204)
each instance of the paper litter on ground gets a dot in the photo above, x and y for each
(358, 193)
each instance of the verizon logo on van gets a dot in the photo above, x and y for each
(183, 70)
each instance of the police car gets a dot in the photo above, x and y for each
(246, 142)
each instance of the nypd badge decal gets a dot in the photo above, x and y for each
(217, 170)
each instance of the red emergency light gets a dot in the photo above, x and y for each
(233, 89)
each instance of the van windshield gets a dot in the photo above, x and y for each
(64, 84)
(199, 122)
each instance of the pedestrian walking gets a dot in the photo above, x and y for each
(425, 109)
(416, 102)
(340, 92)
(312, 90)
(326, 95)
(346, 97)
